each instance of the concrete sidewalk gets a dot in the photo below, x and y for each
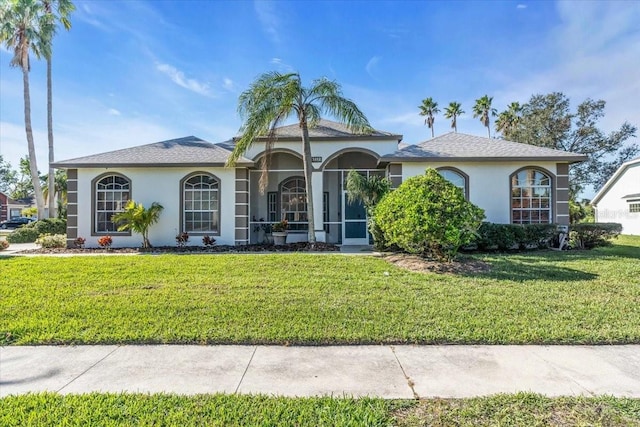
(384, 371)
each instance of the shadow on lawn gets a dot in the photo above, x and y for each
(532, 268)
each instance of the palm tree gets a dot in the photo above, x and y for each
(509, 119)
(20, 33)
(452, 112)
(59, 193)
(54, 11)
(138, 219)
(483, 110)
(271, 99)
(428, 108)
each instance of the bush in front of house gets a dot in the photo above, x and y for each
(593, 235)
(23, 235)
(429, 216)
(503, 237)
(52, 241)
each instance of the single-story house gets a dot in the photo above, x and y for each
(512, 182)
(619, 199)
(10, 208)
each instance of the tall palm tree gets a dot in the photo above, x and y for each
(452, 112)
(272, 98)
(483, 109)
(54, 11)
(20, 33)
(428, 108)
(509, 120)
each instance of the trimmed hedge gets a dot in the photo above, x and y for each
(593, 235)
(30, 232)
(503, 237)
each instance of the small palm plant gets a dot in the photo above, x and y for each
(138, 219)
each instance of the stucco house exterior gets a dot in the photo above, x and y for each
(619, 199)
(10, 208)
(512, 182)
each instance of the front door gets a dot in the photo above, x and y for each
(354, 223)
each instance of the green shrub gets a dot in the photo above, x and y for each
(49, 226)
(592, 235)
(23, 235)
(503, 237)
(52, 240)
(428, 215)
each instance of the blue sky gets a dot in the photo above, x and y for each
(134, 72)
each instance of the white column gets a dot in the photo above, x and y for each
(318, 190)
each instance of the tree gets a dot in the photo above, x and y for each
(369, 191)
(271, 99)
(509, 120)
(547, 121)
(20, 33)
(54, 11)
(429, 108)
(138, 219)
(483, 110)
(429, 216)
(8, 176)
(452, 112)
(59, 193)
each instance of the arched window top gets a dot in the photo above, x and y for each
(457, 178)
(530, 177)
(201, 181)
(113, 182)
(293, 185)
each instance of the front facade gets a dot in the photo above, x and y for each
(513, 183)
(619, 199)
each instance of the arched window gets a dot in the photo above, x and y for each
(293, 200)
(201, 204)
(457, 178)
(531, 197)
(111, 194)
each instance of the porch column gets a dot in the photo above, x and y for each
(317, 182)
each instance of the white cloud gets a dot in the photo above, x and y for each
(371, 65)
(521, 6)
(281, 65)
(268, 18)
(113, 112)
(228, 84)
(179, 78)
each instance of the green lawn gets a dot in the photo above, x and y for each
(540, 297)
(49, 409)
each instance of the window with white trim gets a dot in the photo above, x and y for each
(111, 195)
(531, 197)
(293, 203)
(201, 204)
(634, 207)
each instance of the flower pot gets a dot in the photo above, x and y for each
(279, 237)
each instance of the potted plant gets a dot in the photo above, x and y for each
(279, 232)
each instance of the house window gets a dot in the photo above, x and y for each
(272, 201)
(111, 194)
(293, 203)
(457, 178)
(201, 204)
(531, 197)
(634, 207)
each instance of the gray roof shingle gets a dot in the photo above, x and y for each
(185, 151)
(327, 129)
(460, 146)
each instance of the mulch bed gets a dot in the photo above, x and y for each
(292, 247)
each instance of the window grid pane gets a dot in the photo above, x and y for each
(112, 194)
(531, 197)
(201, 211)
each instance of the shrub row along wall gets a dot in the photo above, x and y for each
(30, 232)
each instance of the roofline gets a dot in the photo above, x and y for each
(393, 137)
(66, 165)
(568, 159)
(605, 188)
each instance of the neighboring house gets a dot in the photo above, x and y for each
(512, 182)
(10, 208)
(619, 199)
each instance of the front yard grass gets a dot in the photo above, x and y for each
(586, 297)
(523, 409)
